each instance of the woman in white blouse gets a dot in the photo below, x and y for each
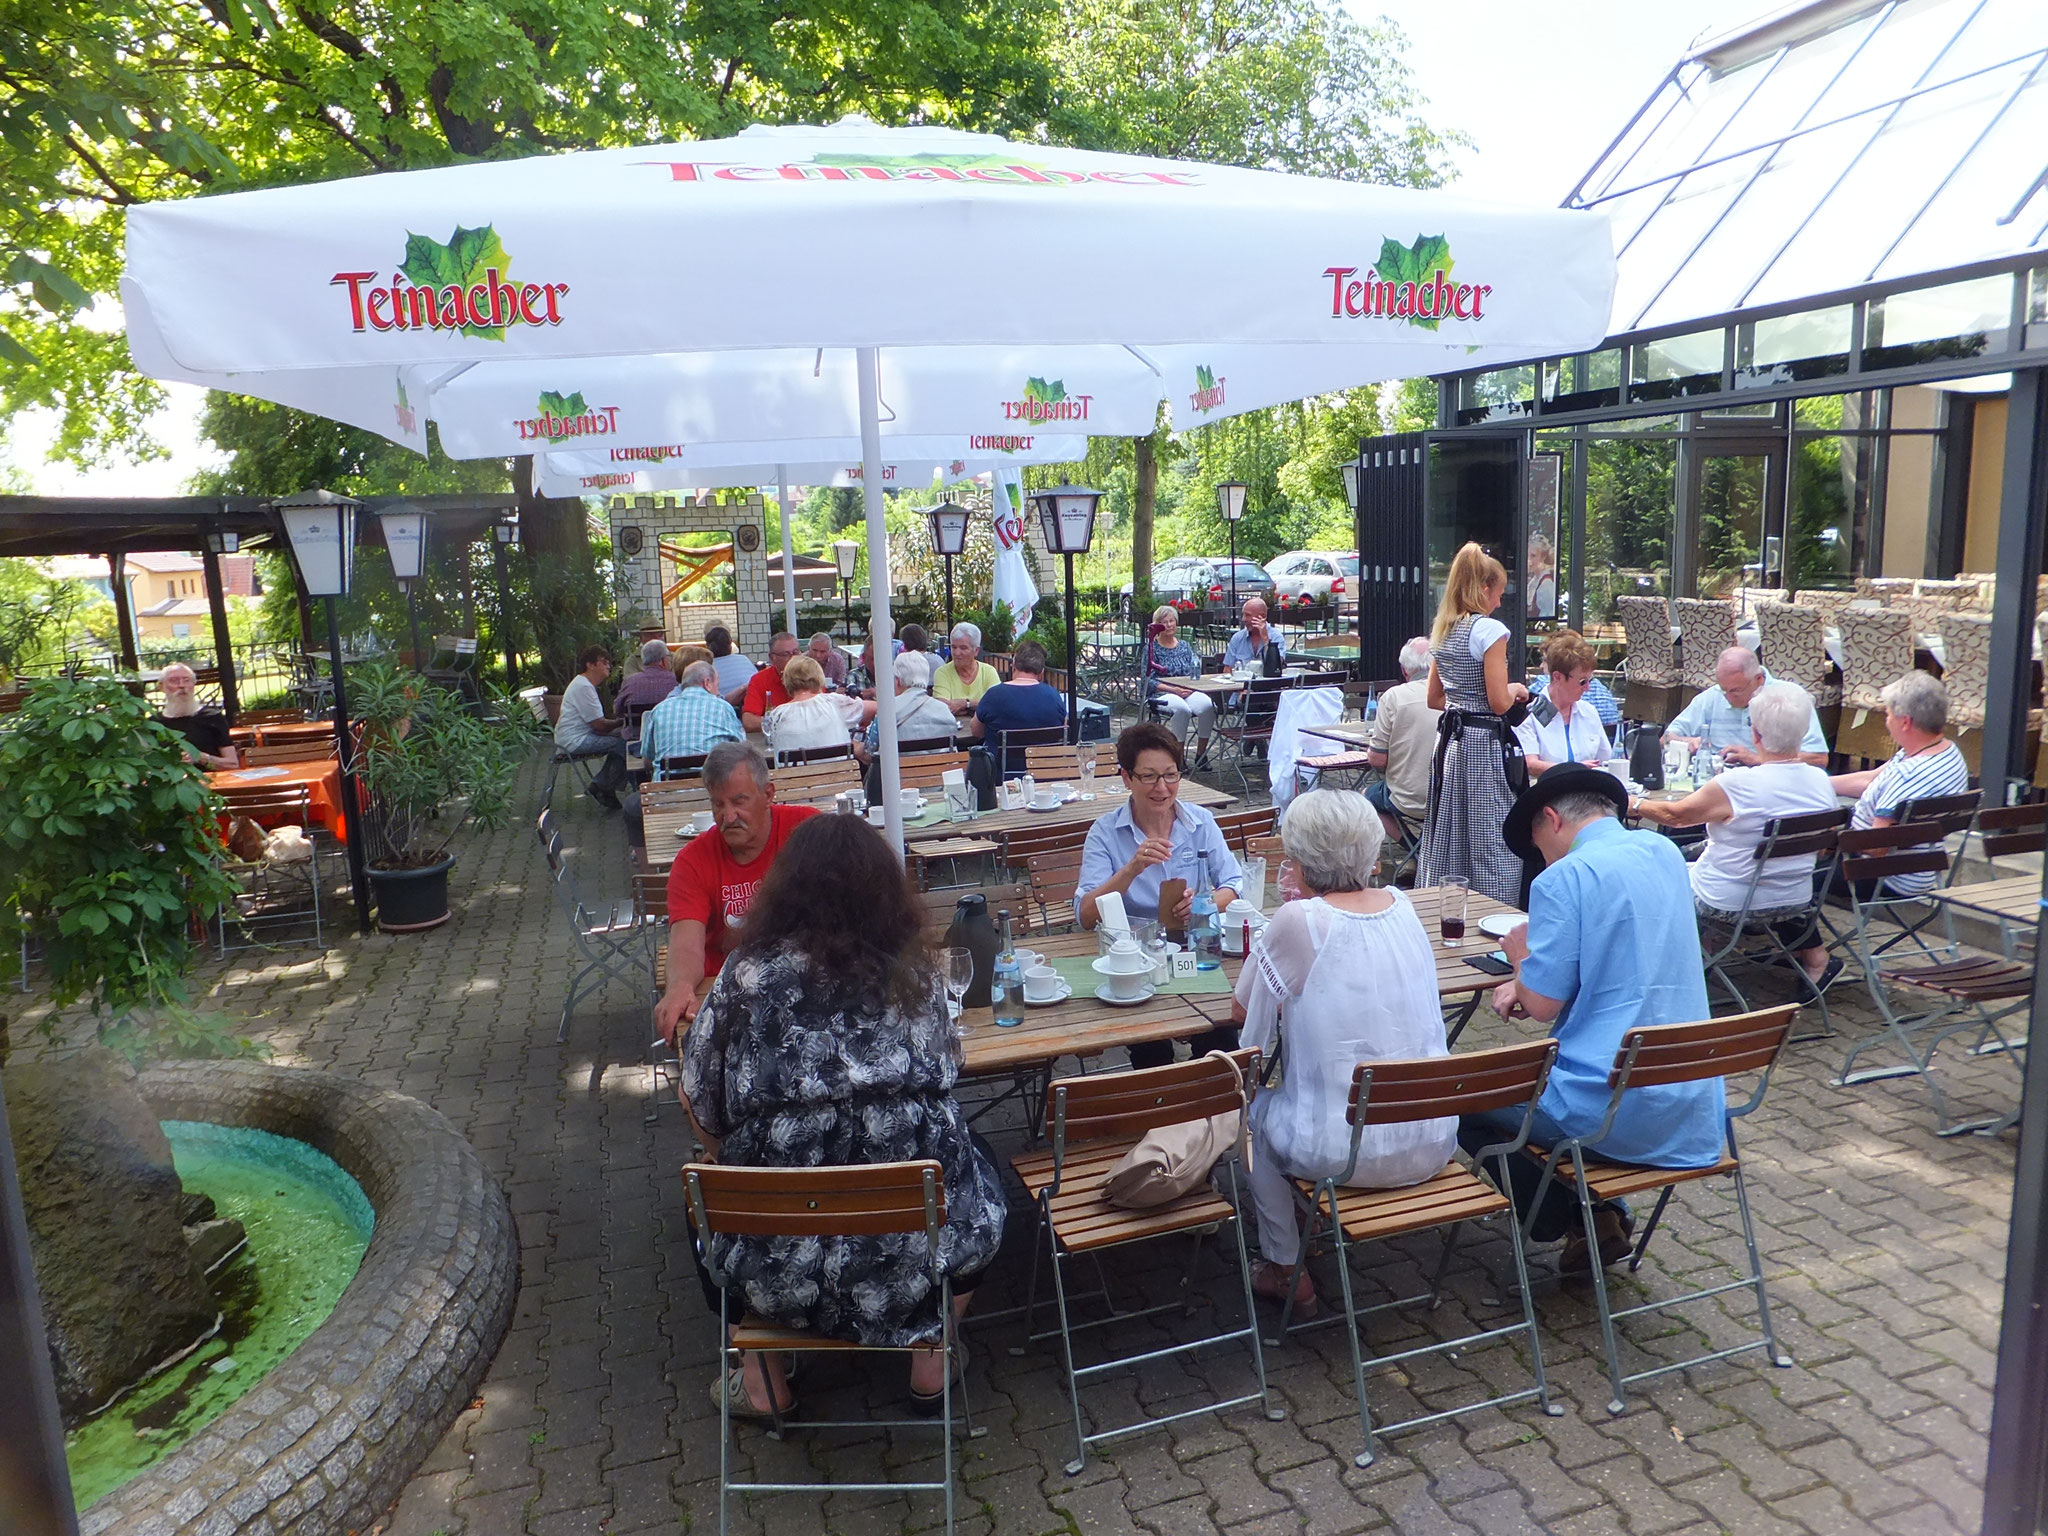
(1344, 975)
(1561, 726)
(812, 718)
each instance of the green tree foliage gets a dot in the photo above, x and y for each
(109, 845)
(37, 614)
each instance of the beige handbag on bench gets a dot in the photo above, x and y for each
(1170, 1160)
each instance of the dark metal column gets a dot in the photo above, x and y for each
(124, 609)
(35, 1485)
(2014, 1499)
(223, 643)
(504, 613)
(2022, 525)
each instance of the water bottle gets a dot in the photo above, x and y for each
(1006, 983)
(1204, 932)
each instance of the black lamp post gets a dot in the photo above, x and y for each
(405, 540)
(1066, 516)
(322, 530)
(845, 556)
(1230, 502)
(949, 538)
(505, 536)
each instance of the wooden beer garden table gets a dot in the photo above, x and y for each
(1352, 733)
(2015, 899)
(665, 827)
(322, 780)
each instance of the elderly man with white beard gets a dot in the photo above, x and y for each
(205, 730)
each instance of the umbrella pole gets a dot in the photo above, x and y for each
(880, 630)
(788, 561)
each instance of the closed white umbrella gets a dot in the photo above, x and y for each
(909, 464)
(475, 295)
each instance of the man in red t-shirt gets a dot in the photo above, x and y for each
(712, 882)
(764, 688)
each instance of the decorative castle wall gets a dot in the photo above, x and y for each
(641, 574)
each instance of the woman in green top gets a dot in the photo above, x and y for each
(965, 677)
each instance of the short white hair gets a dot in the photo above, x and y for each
(697, 674)
(911, 670)
(1779, 714)
(1334, 837)
(1922, 698)
(1415, 658)
(971, 633)
(1742, 659)
(654, 654)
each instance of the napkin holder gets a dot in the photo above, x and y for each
(959, 795)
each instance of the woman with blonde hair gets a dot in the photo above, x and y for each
(813, 718)
(1479, 769)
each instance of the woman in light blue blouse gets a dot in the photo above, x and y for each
(1167, 656)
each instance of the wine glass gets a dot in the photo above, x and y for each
(959, 977)
(1084, 758)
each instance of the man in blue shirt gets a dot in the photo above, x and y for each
(1249, 643)
(1610, 946)
(1718, 717)
(1026, 702)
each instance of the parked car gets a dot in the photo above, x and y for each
(1326, 575)
(1202, 583)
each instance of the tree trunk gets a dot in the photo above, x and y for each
(1142, 506)
(565, 605)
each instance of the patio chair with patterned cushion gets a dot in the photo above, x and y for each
(1877, 650)
(1646, 622)
(1793, 646)
(1827, 601)
(1706, 628)
(1966, 669)
(1884, 588)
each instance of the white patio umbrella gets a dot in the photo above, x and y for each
(475, 296)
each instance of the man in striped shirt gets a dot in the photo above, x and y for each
(1927, 763)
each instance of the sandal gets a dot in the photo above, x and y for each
(929, 1405)
(733, 1387)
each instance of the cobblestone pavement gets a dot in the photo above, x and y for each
(1883, 1245)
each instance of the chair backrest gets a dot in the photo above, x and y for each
(288, 752)
(1949, 813)
(252, 717)
(1124, 1104)
(1656, 1055)
(1817, 834)
(1827, 601)
(1706, 628)
(1054, 879)
(866, 1200)
(1054, 762)
(2008, 829)
(683, 765)
(1013, 897)
(1463, 1083)
(1240, 827)
(1965, 663)
(1959, 593)
(1262, 700)
(927, 770)
(1268, 848)
(1877, 649)
(1646, 622)
(810, 783)
(799, 755)
(650, 895)
(536, 699)
(544, 827)
(1020, 845)
(284, 802)
(1879, 853)
(452, 653)
(1792, 644)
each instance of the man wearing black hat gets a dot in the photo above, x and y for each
(1610, 946)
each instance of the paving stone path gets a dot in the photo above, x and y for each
(1884, 1248)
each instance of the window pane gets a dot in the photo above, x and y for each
(1830, 506)
(1583, 383)
(1812, 345)
(1956, 320)
(1495, 396)
(1629, 508)
(1676, 366)
(1728, 522)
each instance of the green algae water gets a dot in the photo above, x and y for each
(308, 1224)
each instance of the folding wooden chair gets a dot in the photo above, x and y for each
(1648, 1058)
(1054, 877)
(1401, 1093)
(812, 1204)
(1094, 1121)
(650, 904)
(270, 894)
(1240, 827)
(605, 935)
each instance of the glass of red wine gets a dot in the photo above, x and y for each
(1453, 896)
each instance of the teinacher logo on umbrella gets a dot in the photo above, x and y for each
(1408, 282)
(1003, 169)
(1208, 393)
(463, 286)
(564, 416)
(1001, 444)
(660, 454)
(1047, 402)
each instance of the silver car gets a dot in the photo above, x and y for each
(1326, 575)
(1205, 582)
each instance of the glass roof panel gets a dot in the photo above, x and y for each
(1898, 142)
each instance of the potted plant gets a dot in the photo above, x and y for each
(429, 763)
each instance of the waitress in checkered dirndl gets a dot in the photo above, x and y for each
(1478, 770)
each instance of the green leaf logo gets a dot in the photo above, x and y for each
(563, 407)
(1038, 389)
(466, 259)
(1418, 264)
(1205, 376)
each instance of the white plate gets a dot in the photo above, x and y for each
(1041, 809)
(1498, 925)
(1102, 996)
(1059, 996)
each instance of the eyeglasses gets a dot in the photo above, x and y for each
(1170, 779)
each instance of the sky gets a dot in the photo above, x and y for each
(1540, 86)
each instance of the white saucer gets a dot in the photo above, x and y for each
(1498, 925)
(1042, 809)
(1102, 995)
(1059, 996)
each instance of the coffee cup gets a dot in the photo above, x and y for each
(912, 801)
(700, 822)
(1130, 983)
(1045, 799)
(1041, 983)
(877, 815)
(1234, 924)
(1027, 958)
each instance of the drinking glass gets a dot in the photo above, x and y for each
(1455, 895)
(959, 977)
(1255, 881)
(1084, 758)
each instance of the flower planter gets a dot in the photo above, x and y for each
(412, 900)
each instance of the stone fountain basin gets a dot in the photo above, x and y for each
(325, 1441)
